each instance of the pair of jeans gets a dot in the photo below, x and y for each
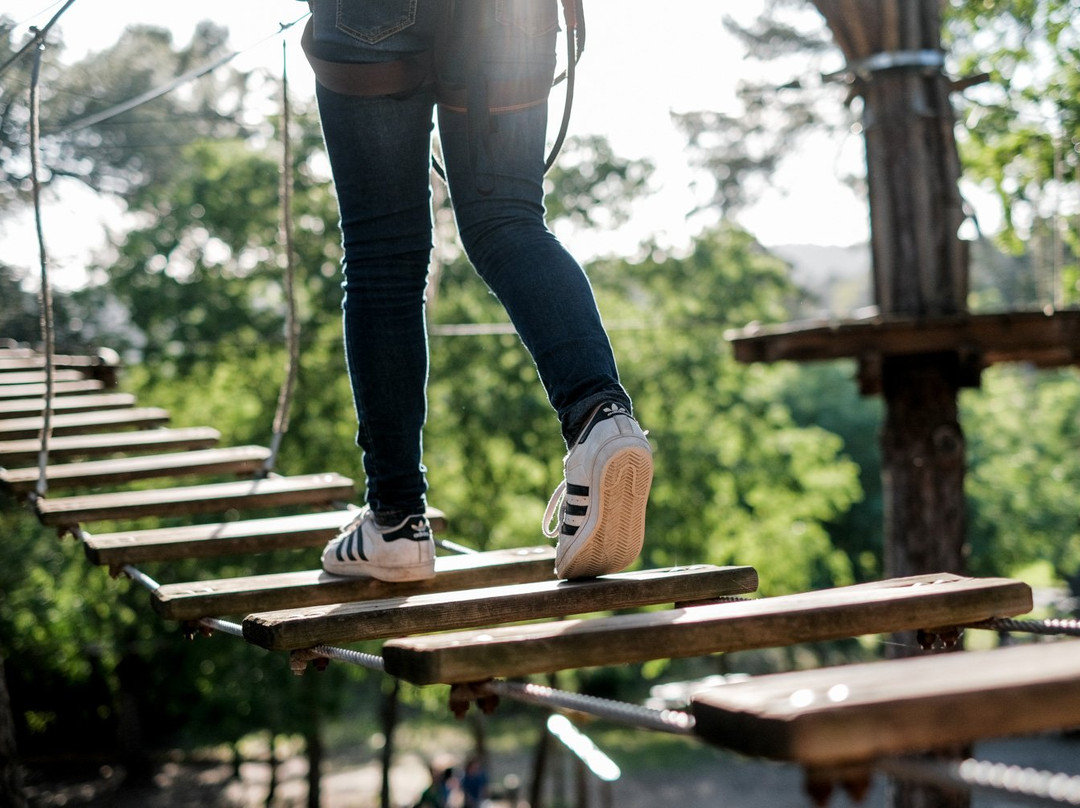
(380, 155)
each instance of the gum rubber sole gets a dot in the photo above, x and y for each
(619, 528)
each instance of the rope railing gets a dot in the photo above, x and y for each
(292, 322)
(45, 305)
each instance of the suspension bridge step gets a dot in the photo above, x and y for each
(243, 460)
(20, 452)
(400, 616)
(82, 422)
(854, 714)
(227, 538)
(311, 489)
(298, 590)
(101, 366)
(80, 387)
(21, 408)
(901, 604)
(18, 377)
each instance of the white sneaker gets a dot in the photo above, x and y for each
(608, 474)
(404, 552)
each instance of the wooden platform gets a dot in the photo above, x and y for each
(920, 602)
(298, 590)
(401, 616)
(83, 422)
(271, 492)
(66, 447)
(842, 716)
(239, 460)
(1043, 339)
(226, 538)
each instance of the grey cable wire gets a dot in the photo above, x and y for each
(157, 92)
(1029, 785)
(1050, 627)
(671, 721)
(45, 293)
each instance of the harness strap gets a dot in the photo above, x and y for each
(399, 78)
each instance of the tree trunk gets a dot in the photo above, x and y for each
(11, 778)
(920, 271)
(390, 715)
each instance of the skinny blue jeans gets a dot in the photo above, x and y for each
(380, 155)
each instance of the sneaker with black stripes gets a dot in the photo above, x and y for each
(401, 552)
(601, 500)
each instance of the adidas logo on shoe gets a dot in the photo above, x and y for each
(402, 552)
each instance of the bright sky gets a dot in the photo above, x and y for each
(642, 61)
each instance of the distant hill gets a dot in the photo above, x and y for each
(837, 278)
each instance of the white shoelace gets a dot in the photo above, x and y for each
(552, 507)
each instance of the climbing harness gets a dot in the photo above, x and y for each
(481, 95)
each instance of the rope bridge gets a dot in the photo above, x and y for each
(465, 628)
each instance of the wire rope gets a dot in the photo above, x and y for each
(1030, 785)
(165, 89)
(292, 322)
(45, 293)
(37, 39)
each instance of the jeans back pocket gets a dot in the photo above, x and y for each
(373, 21)
(533, 17)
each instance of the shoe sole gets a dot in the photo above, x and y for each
(367, 569)
(395, 575)
(614, 535)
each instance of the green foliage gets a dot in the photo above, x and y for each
(1023, 429)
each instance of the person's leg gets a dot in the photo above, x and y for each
(496, 185)
(379, 150)
(501, 221)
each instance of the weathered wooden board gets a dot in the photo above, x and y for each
(80, 387)
(267, 493)
(38, 376)
(81, 422)
(27, 407)
(226, 538)
(19, 452)
(297, 590)
(398, 617)
(853, 714)
(244, 460)
(920, 602)
(19, 359)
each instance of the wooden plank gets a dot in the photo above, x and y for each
(22, 408)
(298, 590)
(856, 713)
(1050, 339)
(268, 493)
(227, 538)
(19, 359)
(919, 602)
(38, 376)
(19, 452)
(397, 617)
(233, 460)
(82, 422)
(82, 386)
